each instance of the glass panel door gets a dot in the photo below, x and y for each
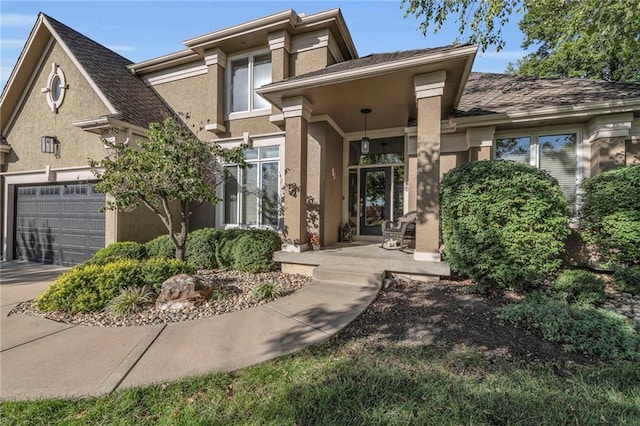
(375, 194)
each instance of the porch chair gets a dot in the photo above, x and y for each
(400, 234)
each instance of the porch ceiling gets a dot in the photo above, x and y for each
(390, 95)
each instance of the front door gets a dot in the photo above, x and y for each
(375, 194)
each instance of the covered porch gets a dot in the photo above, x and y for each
(408, 95)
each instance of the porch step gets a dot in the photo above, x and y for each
(348, 274)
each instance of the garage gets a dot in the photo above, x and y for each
(58, 224)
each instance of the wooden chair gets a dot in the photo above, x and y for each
(399, 235)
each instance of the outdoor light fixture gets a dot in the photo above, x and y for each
(49, 144)
(365, 140)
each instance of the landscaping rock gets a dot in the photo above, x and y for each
(182, 291)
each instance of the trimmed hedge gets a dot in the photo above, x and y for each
(156, 271)
(116, 251)
(610, 214)
(503, 223)
(201, 247)
(253, 252)
(578, 286)
(224, 246)
(160, 247)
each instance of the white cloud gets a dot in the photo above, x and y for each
(17, 20)
(11, 43)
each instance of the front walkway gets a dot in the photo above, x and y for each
(43, 358)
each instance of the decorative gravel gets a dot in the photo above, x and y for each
(237, 288)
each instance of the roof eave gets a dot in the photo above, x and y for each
(162, 62)
(273, 91)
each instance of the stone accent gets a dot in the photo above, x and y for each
(182, 291)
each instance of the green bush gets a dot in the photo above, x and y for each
(160, 247)
(266, 291)
(503, 223)
(224, 247)
(90, 287)
(130, 300)
(116, 251)
(628, 279)
(580, 286)
(201, 247)
(253, 252)
(581, 329)
(156, 271)
(610, 214)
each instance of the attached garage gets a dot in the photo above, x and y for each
(58, 224)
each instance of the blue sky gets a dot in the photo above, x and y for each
(141, 30)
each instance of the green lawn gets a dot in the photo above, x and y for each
(347, 381)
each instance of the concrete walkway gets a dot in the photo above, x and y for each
(44, 358)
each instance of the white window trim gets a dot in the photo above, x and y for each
(220, 207)
(534, 159)
(234, 115)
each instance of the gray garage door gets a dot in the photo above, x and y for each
(58, 224)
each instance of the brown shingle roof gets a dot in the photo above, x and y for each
(487, 94)
(135, 102)
(373, 59)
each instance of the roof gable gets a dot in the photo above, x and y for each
(125, 95)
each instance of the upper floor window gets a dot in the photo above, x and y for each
(557, 154)
(247, 74)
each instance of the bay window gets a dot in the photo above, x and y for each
(245, 75)
(252, 194)
(555, 153)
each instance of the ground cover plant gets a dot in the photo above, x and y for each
(409, 359)
(628, 279)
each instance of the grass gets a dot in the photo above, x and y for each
(352, 382)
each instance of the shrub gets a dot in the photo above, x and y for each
(224, 256)
(503, 223)
(90, 287)
(253, 252)
(201, 247)
(156, 271)
(628, 279)
(610, 214)
(116, 251)
(580, 286)
(266, 291)
(160, 247)
(580, 329)
(130, 300)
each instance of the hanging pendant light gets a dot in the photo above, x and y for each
(364, 145)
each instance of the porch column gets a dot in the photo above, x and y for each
(429, 89)
(216, 62)
(480, 141)
(297, 112)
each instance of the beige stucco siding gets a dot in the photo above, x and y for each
(308, 60)
(254, 126)
(451, 160)
(333, 175)
(35, 119)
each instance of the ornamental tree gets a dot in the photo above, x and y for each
(172, 168)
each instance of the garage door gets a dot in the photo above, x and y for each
(58, 224)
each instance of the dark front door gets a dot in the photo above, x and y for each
(375, 196)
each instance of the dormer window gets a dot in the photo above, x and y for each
(246, 74)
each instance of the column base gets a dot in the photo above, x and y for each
(424, 256)
(294, 248)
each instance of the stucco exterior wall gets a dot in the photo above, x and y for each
(333, 176)
(254, 125)
(35, 119)
(308, 60)
(451, 160)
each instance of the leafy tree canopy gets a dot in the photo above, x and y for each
(172, 168)
(574, 38)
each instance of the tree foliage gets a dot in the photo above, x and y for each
(573, 38)
(172, 167)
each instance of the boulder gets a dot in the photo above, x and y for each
(183, 290)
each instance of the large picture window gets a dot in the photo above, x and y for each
(252, 195)
(247, 74)
(555, 153)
